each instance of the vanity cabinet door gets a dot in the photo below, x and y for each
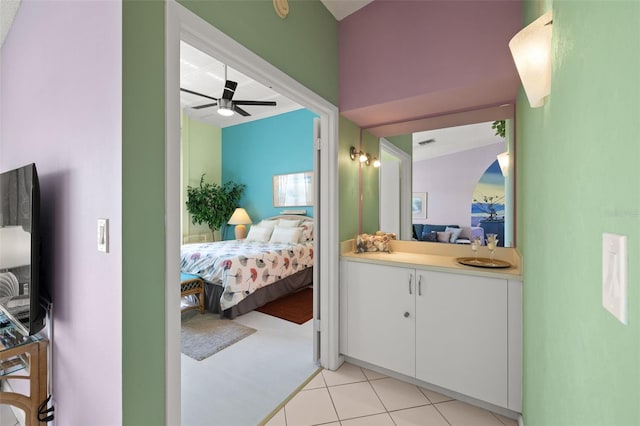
(380, 327)
(461, 334)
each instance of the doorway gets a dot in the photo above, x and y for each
(184, 25)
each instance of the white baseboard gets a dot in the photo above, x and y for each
(520, 421)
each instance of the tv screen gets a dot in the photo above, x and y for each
(20, 288)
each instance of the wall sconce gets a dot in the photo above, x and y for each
(364, 157)
(531, 51)
(353, 154)
(376, 162)
(240, 218)
(503, 161)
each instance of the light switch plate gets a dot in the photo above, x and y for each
(614, 275)
(103, 235)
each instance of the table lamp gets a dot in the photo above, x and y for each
(240, 218)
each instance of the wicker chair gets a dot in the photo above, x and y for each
(192, 285)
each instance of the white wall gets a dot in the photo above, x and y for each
(61, 107)
(449, 182)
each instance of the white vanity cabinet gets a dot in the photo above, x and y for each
(380, 325)
(448, 329)
(461, 334)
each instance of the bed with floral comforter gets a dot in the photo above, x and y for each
(243, 267)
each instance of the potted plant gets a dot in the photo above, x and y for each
(212, 203)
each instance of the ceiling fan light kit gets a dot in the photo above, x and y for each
(226, 105)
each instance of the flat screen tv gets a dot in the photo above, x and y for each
(20, 287)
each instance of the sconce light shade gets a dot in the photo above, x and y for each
(363, 157)
(240, 217)
(531, 51)
(376, 162)
(503, 161)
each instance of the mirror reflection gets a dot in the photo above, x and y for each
(460, 185)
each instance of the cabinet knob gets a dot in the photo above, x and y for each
(406, 314)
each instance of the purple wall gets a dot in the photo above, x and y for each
(60, 107)
(450, 181)
(407, 59)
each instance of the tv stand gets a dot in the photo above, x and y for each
(19, 355)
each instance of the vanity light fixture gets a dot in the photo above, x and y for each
(353, 153)
(376, 162)
(363, 157)
(531, 51)
(503, 161)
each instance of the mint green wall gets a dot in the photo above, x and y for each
(370, 185)
(305, 44)
(201, 153)
(286, 44)
(404, 142)
(143, 232)
(348, 136)
(349, 181)
(578, 176)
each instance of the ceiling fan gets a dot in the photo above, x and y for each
(226, 105)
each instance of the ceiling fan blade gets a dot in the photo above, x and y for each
(240, 111)
(257, 103)
(198, 94)
(229, 89)
(205, 106)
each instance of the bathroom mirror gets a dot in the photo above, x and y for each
(457, 166)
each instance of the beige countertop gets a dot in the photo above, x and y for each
(437, 257)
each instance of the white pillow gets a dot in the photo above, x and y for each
(259, 233)
(455, 233)
(268, 223)
(282, 234)
(306, 233)
(286, 223)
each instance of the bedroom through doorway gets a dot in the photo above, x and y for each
(258, 146)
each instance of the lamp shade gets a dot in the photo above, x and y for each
(531, 51)
(239, 217)
(15, 247)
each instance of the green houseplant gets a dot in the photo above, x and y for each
(212, 203)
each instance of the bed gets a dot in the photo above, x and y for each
(241, 275)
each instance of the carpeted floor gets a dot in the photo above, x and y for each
(202, 335)
(296, 307)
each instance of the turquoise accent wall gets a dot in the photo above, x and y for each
(252, 153)
(578, 176)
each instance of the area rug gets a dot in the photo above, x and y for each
(204, 335)
(296, 307)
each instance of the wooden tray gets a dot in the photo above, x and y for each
(483, 262)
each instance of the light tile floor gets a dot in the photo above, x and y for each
(354, 396)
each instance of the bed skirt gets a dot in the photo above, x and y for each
(260, 297)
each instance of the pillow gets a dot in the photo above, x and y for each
(286, 223)
(455, 233)
(283, 234)
(432, 237)
(268, 223)
(259, 233)
(444, 237)
(306, 233)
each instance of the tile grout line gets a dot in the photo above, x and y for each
(378, 396)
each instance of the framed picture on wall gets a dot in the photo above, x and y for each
(419, 205)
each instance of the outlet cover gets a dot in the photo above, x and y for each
(614, 275)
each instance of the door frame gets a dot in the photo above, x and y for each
(406, 183)
(182, 24)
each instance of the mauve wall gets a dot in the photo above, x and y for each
(406, 59)
(450, 181)
(60, 107)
